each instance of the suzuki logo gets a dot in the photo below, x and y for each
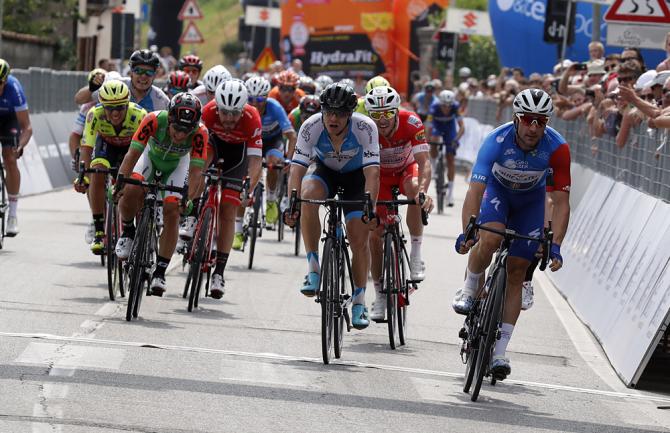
(470, 20)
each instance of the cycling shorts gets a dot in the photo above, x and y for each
(108, 155)
(274, 146)
(450, 146)
(352, 183)
(9, 130)
(174, 176)
(521, 212)
(234, 166)
(387, 182)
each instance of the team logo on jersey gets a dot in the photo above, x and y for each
(305, 130)
(500, 138)
(420, 136)
(510, 163)
(370, 154)
(413, 120)
(509, 151)
(365, 126)
(343, 155)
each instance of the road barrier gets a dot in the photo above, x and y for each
(616, 274)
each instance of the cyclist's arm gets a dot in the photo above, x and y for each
(371, 173)
(194, 181)
(461, 128)
(560, 215)
(83, 96)
(481, 171)
(295, 177)
(88, 139)
(425, 173)
(26, 128)
(199, 146)
(255, 169)
(473, 201)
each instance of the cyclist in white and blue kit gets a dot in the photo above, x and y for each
(15, 133)
(346, 148)
(445, 122)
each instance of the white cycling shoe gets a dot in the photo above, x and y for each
(379, 307)
(12, 227)
(462, 303)
(417, 269)
(158, 286)
(123, 246)
(217, 287)
(187, 228)
(527, 299)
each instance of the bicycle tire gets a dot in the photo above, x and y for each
(202, 235)
(188, 283)
(404, 292)
(343, 272)
(473, 346)
(439, 184)
(280, 228)
(4, 205)
(492, 311)
(296, 245)
(136, 260)
(255, 223)
(329, 280)
(389, 286)
(110, 241)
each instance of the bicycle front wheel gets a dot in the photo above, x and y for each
(439, 183)
(113, 275)
(254, 224)
(492, 311)
(341, 313)
(403, 294)
(390, 286)
(296, 244)
(328, 284)
(138, 258)
(201, 251)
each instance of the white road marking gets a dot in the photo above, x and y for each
(273, 373)
(637, 395)
(67, 358)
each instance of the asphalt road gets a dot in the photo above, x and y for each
(251, 361)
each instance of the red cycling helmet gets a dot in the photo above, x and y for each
(288, 78)
(190, 60)
(179, 80)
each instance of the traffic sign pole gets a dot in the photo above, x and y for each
(566, 33)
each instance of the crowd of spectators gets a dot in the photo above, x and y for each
(613, 94)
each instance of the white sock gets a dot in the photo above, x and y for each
(313, 262)
(359, 296)
(238, 225)
(13, 203)
(450, 187)
(505, 335)
(416, 247)
(471, 285)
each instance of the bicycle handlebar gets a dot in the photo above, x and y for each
(183, 190)
(277, 166)
(510, 235)
(368, 209)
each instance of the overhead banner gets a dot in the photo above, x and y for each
(354, 38)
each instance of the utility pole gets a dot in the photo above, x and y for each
(595, 33)
(566, 33)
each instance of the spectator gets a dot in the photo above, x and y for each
(665, 64)
(630, 53)
(243, 64)
(612, 62)
(596, 51)
(168, 61)
(296, 66)
(629, 72)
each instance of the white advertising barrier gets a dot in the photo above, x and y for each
(34, 176)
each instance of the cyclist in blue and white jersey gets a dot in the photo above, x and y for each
(422, 101)
(276, 128)
(345, 146)
(507, 191)
(444, 121)
(143, 65)
(15, 133)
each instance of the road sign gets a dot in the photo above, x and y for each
(265, 59)
(190, 11)
(652, 12)
(191, 35)
(262, 16)
(635, 35)
(469, 22)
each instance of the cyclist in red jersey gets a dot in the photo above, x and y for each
(236, 137)
(286, 91)
(404, 163)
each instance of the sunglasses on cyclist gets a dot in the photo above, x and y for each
(530, 119)
(181, 128)
(233, 113)
(144, 71)
(388, 114)
(257, 99)
(115, 107)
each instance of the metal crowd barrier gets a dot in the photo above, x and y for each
(48, 90)
(643, 163)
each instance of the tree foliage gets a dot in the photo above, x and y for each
(38, 17)
(479, 53)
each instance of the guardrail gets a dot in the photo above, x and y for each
(48, 90)
(643, 163)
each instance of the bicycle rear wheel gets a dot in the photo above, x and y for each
(113, 275)
(492, 311)
(403, 294)
(329, 281)
(439, 183)
(4, 205)
(201, 251)
(390, 286)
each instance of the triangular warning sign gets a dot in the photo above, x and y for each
(651, 12)
(191, 35)
(265, 59)
(190, 11)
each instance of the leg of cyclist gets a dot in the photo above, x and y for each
(13, 182)
(224, 242)
(313, 187)
(166, 243)
(376, 263)
(410, 188)
(96, 193)
(275, 157)
(434, 152)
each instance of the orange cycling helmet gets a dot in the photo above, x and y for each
(288, 78)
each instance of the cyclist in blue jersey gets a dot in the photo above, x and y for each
(15, 133)
(143, 65)
(345, 146)
(276, 128)
(507, 191)
(422, 101)
(442, 122)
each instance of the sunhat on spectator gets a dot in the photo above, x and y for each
(660, 78)
(560, 67)
(596, 67)
(645, 80)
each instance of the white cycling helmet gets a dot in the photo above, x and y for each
(348, 82)
(464, 72)
(323, 81)
(112, 75)
(533, 101)
(258, 86)
(382, 98)
(215, 76)
(231, 95)
(446, 97)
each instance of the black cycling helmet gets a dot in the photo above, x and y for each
(144, 57)
(310, 104)
(185, 110)
(338, 96)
